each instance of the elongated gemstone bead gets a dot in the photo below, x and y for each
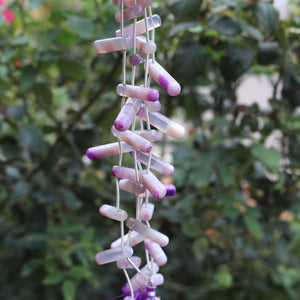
(139, 280)
(132, 139)
(113, 44)
(134, 239)
(140, 26)
(125, 264)
(150, 135)
(156, 163)
(144, 3)
(162, 123)
(130, 13)
(127, 114)
(164, 79)
(156, 252)
(129, 298)
(136, 59)
(137, 92)
(147, 232)
(146, 47)
(132, 187)
(155, 187)
(170, 191)
(146, 211)
(153, 106)
(107, 150)
(113, 213)
(129, 3)
(112, 255)
(123, 172)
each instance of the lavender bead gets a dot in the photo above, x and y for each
(156, 163)
(146, 212)
(132, 139)
(146, 47)
(163, 123)
(156, 252)
(153, 106)
(147, 232)
(130, 13)
(134, 239)
(127, 114)
(171, 190)
(150, 135)
(132, 187)
(107, 150)
(164, 79)
(113, 44)
(125, 263)
(123, 172)
(113, 213)
(129, 3)
(144, 3)
(136, 59)
(155, 187)
(112, 255)
(129, 298)
(137, 92)
(140, 26)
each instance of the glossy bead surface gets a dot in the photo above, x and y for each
(137, 92)
(150, 135)
(144, 3)
(107, 150)
(130, 13)
(146, 211)
(113, 213)
(132, 187)
(136, 59)
(155, 187)
(131, 239)
(146, 47)
(156, 252)
(153, 106)
(125, 263)
(112, 255)
(124, 173)
(113, 44)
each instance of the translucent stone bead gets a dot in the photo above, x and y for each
(147, 232)
(107, 150)
(144, 3)
(146, 47)
(164, 79)
(112, 255)
(146, 211)
(153, 106)
(129, 298)
(125, 263)
(156, 163)
(170, 191)
(140, 26)
(130, 13)
(124, 173)
(113, 44)
(127, 114)
(137, 92)
(156, 252)
(155, 187)
(132, 139)
(136, 59)
(162, 123)
(113, 213)
(129, 3)
(150, 135)
(132, 187)
(134, 239)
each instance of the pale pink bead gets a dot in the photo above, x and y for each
(155, 187)
(150, 135)
(146, 47)
(146, 211)
(112, 255)
(137, 92)
(153, 106)
(124, 173)
(132, 187)
(130, 13)
(107, 150)
(113, 44)
(156, 252)
(129, 3)
(164, 79)
(125, 263)
(131, 240)
(144, 3)
(113, 213)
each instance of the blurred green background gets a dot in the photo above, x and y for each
(234, 225)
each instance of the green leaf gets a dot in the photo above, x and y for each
(201, 176)
(253, 226)
(54, 278)
(224, 277)
(31, 139)
(16, 112)
(68, 198)
(68, 290)
(226, 25)
(191, 228)
(21, 40)
(3, 72)
(189, 61)
(227, 176)
(185, 10)
(43, 93)
(267, 17)
(28, 78)
(8, 148)
(72, 69)
(80, 272)
(200, 247)
(270, 157)
(83, 27)
(34, 4)
(252, 32)
(236, 62)
(268, 53)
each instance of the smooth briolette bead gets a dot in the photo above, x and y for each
(107, 150)
(137, 92)
(132, 239)
(125, 264)
(130, 13)
(112, 255)
(140, 26)
(155, 187)
(113, 44)
(146, 211)
(137, 58)
(156, 252)
(113, 212)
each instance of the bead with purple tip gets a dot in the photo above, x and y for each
(132, 187)
(164, 79)
(107, 150)
(137, 58)
(156, 252)
(146, 211)
(145, 46)
(171, 190)
(125, 263)
(150, 135)
(112, 255)
(131, 239)
(147, 232)
(162, 123)
(132, 139)
(127, 114)
(130, 13)
(152, 23)
(137, 92)
(156, 163)
(113, 44)
(155, 187)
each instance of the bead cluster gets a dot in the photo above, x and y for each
(138, 103)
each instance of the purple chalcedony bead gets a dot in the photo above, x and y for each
(171, 190)
(136, 59)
